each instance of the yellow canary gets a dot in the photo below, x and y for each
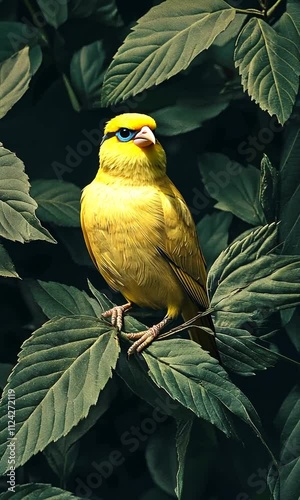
(140, 233)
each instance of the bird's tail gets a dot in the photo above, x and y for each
(205, 339)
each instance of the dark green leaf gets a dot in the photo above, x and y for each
(289, 229)
(135, 375)
(36, 58)
(17, 220)
(161, 457)
(62, 455)
(154, 51)
(213, 234)
(57, 299)
(62, 368)
(37, 491)
(268, 189)
(182, 438)
(236, 188)
(73, 240)
(253, 283)
(195, 379)
(269, 66)
(293, 9)
(241, 353)
(54, 13)
(87, 73)
(14, 37)
(292, 328)
(185, 116)
(7, 267)
(15, 75)
(285, 484)
(58, 202)
(105, 11)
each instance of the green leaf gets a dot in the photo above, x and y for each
(241, 353)
(198, 446)
(58, 202)
(72, 239)
(182, 438)
(15, 75)
(37, 491)
(57, 299)
(7, 268)
(36, 58)
(252, 282)
(285, 485)
(5, 369)
(17, 220)
(236, 188)
(289, 191)
(268, 190)
(62, 368)
(269, 66)
(62, 455)
(87, 73)
(293, 9)
(14, 37)
(55, 14)
(212, 231)
(292, 328)
(155, 51)
(195, 379)
(161, 457)
(135, 376)
(185, 116)
(104, 11)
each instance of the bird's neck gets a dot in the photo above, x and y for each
(135, 170)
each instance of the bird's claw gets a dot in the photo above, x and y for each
(116, 314)
(143, 339)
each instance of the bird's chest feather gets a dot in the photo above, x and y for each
(124, 226)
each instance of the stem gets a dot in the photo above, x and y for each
(273, 8)
(31, 11)
(250, 11)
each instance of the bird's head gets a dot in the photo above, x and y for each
(130, 149)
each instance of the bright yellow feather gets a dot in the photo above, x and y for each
(139, 231)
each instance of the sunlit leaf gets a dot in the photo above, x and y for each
(62, 368)
(269, 66)
(15, 75)
(155, 50)
(7, 267)
(58, 299)
(252, 282)
(191, 376)
(17, 220)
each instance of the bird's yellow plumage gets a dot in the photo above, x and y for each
(139, 231)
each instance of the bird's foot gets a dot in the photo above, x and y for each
(116, 314)
(145, 338)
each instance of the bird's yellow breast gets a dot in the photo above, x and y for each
(124, 227)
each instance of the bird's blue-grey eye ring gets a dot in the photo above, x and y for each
(125, 134)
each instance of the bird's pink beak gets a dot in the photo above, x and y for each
(144, 137)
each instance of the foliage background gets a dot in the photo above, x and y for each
(238, 169)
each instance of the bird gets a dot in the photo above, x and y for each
(140, 233)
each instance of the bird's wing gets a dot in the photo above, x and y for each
(181, 246)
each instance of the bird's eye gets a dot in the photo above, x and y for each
(125, 135)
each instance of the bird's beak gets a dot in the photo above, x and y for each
(144, 137)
